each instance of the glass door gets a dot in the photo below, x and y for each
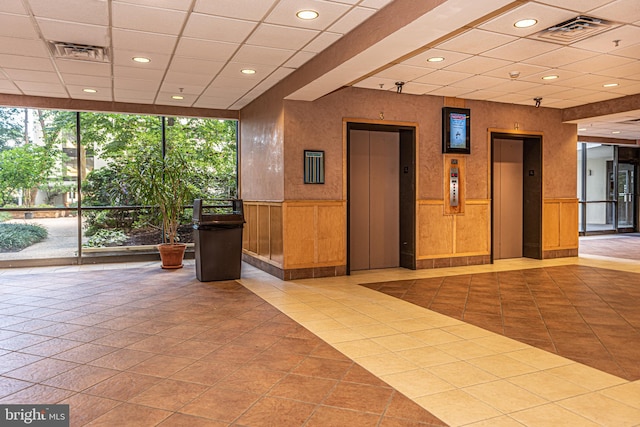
(626, 197)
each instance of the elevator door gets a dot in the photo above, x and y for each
(507, 198)
(374, 200)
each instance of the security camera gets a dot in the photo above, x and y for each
(399, 87)
(537, 100)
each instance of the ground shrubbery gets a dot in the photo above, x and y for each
(15, 237)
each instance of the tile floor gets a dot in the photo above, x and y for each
(145, 347)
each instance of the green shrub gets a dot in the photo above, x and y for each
(15, 237)
(104, 238)
(5, 216)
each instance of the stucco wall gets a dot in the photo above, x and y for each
(318, 125)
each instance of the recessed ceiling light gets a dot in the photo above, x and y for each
(141, 59)
(551, 77)
(610, 85)
(248, 71)
(525, 23)
(616, 131)
(581, 129)
(177, 97)
(307, 15)
(89, 90)
(436, 59)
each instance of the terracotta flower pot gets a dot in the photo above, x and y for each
(172, 255)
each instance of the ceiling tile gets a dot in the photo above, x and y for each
(164, 4)
(165, 98)
(85, 11)
(134, 96)
(174, 88)
(628, 35)
(187, 78)
(196, 66)
(12, 6)
(581, 6)
(241, 9)
(218, 102)
(597, 63)
(378, 83)
(77, 92)
(281, 37)
(403, 73)
(414, 88)
(632, 52)
(476, 41)
(135, 84)
(25, 62)
(546, 16)
(136, 73)
(520, 50)
(262, 55)
(233, 70)
(587, 81)
(482, 95)
(24, 47)
(229, 88)
(208, 27)
(150, 42)
(524, 70)
(443, 77)
(376, 4)
(352, 19)
(148, 19)
(32, 75)
(629, 71)
(559, 57)
(477, 65)
(449, 58)
(72, 32)
(124, 58)
(285, 13)
(322, 41)
(18, 26)
(8, 87)
(619, 11)
(299, 59)
(478, 82)
(83, 67)
(87, 81)
(450, 91)
(41, 89)
(206, 49)
(515, 86)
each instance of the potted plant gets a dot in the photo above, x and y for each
(164, 182)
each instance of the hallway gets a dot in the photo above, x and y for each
(135, 345)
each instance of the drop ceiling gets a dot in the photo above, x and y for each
(198, 49)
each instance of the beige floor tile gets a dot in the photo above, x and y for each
(628, 393)
(467, 331)
(385, 364)
(360, 348)
(461, 374)
(427, 356)
(603, 410)
(502, 366)
(551, 415)
(499, 343)
(357, 320)
(548, 386)
(457, 408)
(503, 421)
(418, 324)
(417, 383)
(323, 325)
(504, 396)
(435, 336)
(587, 377)
(465, 350)
(336, 336)
(372, 331)
(398, 342)
(539, 359)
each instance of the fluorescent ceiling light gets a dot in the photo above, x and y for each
(436, 59)
(610, 85)
(89, 90)
(551, 77)
(141, 59)
(177, 97)
(248, 71)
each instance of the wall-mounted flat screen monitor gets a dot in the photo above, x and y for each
(456, 130)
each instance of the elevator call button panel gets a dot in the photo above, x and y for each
(453, 187)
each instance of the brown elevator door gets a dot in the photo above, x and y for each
(374, 200)
(507, 198)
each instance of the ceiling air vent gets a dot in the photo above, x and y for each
(575, 29)
(80, 52)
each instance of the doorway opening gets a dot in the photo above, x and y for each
(381, 196)
(516, 194)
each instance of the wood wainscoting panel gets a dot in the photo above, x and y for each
(560, 224)
(435, 230)
(250, 239)
(314, 234)
(473, 229)
(264, 225)
(275, 235)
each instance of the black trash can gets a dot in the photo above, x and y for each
(217, 229)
